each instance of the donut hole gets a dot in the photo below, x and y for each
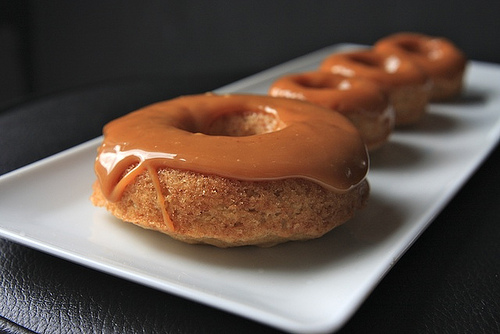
(366, 60)
(325, 82)
(314, 83)
(246, 123)
(411, 46)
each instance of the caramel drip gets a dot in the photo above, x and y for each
(153, 173)
(308, 142)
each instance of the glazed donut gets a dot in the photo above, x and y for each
(443, 62)
(232, 170)
(362, 101)
(406, 84)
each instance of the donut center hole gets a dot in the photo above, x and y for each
(366, 60)
(315, 84)
(411, 46)
(246, 123)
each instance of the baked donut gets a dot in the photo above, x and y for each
(406, 84)
(362, 101)
(232, 170)
(443, 62)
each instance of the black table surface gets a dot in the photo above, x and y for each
(447, 282)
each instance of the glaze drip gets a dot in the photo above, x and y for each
(288, 139)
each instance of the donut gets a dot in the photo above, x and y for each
(232, 170)
(405, 83)
(362, 101)
(440, 59)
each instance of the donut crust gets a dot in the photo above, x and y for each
(209, 209)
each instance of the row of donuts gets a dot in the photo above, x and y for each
(384, 86)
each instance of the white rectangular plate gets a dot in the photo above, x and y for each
(312, 286)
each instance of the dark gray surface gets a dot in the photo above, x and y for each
(53, 45)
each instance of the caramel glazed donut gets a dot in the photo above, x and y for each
(440, 59)
(406, 84)
(362, 101)
(232, 170)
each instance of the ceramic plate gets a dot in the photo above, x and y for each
(312, 286)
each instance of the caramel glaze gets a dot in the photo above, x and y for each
(352, 97)
(388, 70)
(308, 142)
(335, 92)
(437, 56)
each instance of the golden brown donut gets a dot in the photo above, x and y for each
(443, 62)
(406, 84)
(232, 170)
(362, 101)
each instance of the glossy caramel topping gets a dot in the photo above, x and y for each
(437, 56)
(388, 70)
(287, 139)
(333, 91)
(362, 101)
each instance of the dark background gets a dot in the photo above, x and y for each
(48, 46)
